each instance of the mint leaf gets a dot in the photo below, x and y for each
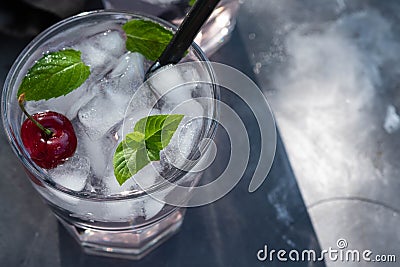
(146, 37)
(192, 2)
(54, 75)
(130, 156)
(151, 135)
(158, 131)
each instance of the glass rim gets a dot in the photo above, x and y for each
(22, 153)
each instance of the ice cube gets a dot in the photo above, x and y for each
(129, 73)
(141, 104)
(94, 57)
(99, 151)
(111, 42)
(131, 209)
(147, 177)
(119, 210)
(193, 72)
(182, 144)
(170, 85)
(114, 93)
(101, 113)
(112, 187)
(73, 173)
(184, 139)
(101, 51)
(151, 207)
(61, 199)
(142, 180)
(67, 105)
(122, 210)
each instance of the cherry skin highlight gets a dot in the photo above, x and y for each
(46, 150)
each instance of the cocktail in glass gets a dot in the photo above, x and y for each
(104, 217)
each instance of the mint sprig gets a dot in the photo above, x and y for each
(192, 2)
(146, 37)
(151, 134)
(54, 75)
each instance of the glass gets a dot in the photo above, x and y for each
(103, 224)
(214, 33)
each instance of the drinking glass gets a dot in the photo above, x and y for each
(103, 224)
(215, 32)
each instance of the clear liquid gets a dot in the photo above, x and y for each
(103, 110)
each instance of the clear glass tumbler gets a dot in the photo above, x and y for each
(103, 224)
(214, 33)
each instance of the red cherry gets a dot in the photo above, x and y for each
(46, 150)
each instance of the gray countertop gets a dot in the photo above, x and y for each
(330, 71)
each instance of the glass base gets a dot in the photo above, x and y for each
(129, 244)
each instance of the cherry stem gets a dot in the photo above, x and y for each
(21, 101)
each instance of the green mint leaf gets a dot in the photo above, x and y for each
(151, 135)
(54, 75)
(192, 2)
(158, 131)
(146, 37)
(130, 156)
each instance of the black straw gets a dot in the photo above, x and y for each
(185, 34)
